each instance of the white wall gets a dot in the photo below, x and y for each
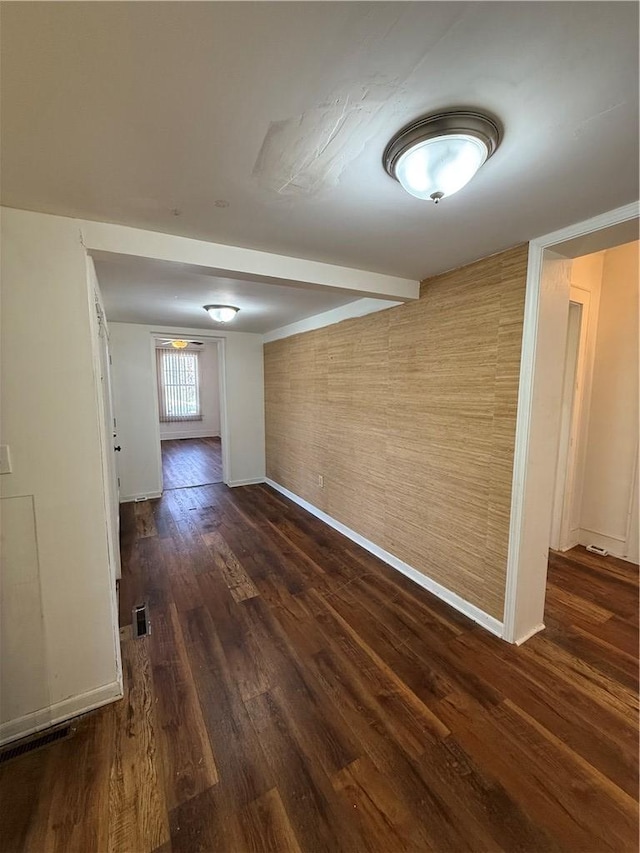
(55, 547)
(612, 441)
(134, 381)
(209, 401)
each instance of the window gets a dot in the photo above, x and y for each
(178, 385)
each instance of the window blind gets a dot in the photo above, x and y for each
(178, 385)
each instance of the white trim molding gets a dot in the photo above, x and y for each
(146, 496)
(359, 308)
(61, 712)
(250, 482)
(453, 599)
(535, 630)
(537, 433)
(178, 435)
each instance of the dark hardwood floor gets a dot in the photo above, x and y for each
(295, 694)
(191, 462)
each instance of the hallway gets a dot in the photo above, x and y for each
(190, 462)
(295, 694)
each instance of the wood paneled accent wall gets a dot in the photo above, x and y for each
(409, 415)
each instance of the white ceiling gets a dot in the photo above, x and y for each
(136, 290)
(263, 124)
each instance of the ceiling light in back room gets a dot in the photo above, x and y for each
(437, 155)
(221, 313)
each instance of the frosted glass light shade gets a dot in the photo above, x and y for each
(441, 166)
(436, 155)
(221, 313)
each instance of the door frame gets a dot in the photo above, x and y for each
(538, 423)
(570, 470)
(112, 480)
(106, 443)
(564, 496)
(220, 341)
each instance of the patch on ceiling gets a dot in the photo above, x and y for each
(302, 155)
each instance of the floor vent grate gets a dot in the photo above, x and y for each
(140, 621)
(37, 742)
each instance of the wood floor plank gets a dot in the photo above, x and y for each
(236, 578)
(596, 738)
(187, 758)
(244, 658)
(71, 809)
(184, 583)
(137, 805)
(324, 735)
(270, 548)
(190, 462)
(617, 589)
(382, 817)
(437, 826)
(425, 607)
(609, 660)
(24, 799)
(266, 827)
(242, 768)
(411, 716)
(508, 761)
(568, 603)
(313, 810)
(584, 677)
(145, 521)
(205, 823)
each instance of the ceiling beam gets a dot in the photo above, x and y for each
(102, 238)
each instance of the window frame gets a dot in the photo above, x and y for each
(165, 400)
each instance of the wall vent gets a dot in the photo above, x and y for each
(602, 552)
(30, 744)
(140, 621)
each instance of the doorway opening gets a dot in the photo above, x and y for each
(191, 462)
(597, 463)
(593, 565)
(575, 479)
(189, 411)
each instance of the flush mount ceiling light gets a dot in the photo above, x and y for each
(179, 344)
(221, 313)
(437, 155)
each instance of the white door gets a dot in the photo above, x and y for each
(565, 497)
(111, 438)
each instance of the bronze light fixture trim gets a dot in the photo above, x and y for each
(437, 155)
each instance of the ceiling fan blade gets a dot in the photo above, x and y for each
(169, 341)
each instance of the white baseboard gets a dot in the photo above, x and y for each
(30, 724)
(615, 545)
(470, 610)
(127, 499)
(178, 436)
(529, 634)
(567, 546)
(252, 481)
